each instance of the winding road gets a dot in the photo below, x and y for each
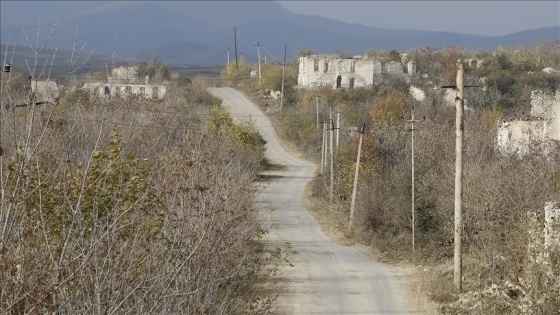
(327, 278)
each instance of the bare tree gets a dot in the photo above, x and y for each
(127, 206)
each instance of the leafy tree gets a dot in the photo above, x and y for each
(236, 74)
(272, 77)
(503, 62)
(223, 123)
(390, 111)
(155, 70)
(394, 56)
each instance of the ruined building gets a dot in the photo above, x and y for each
(539, 134)
(125, 82)
(44, 91)
(331, 70)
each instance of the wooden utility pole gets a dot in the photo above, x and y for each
(235, 44)
(459, 130)
(355, 187)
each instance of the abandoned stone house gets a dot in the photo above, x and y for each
(125, 82)
(331, 70)
(44, 91)
(538, 134)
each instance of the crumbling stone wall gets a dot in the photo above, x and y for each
(125, 82)
(539, 134)
(544, 233)
(542, 271)
(331, 70)
(551, 228)
(393, 67)
(474, 63)
(44, 91)
(520, 137)
(546, 106)
(108, 90)
(417, 93)
(125, 75)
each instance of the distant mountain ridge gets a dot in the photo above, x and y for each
(200, 32)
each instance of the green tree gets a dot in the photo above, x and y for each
(235, 74)
(272, 77)
(222, 122)
(390, 111)
(155, 70)
(504, 62)
(394, 56)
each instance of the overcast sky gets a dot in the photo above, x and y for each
(472, 17)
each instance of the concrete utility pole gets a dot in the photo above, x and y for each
(228, 58)
(459, 133)
(412, 122)
(355, 187)
(283, 67)
(326, 138)
(6, 68)
(323, 148)
(332, 159)
(459, 128)
(259, 58)
(235, 45)
(337, 126)
(317, 107)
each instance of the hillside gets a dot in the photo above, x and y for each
(197, 32)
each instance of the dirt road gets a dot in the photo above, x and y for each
(327, 278)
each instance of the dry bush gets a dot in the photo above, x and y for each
(128, 206)
(500, 276)
(151, 217)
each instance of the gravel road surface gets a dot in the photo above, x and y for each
(327, 278)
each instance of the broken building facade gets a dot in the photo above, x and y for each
(125, 82)
(540, 133)
(44, 91)
(337, 72)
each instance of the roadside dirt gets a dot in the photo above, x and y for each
(329, 273)
(414, 277)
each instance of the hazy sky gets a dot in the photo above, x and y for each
(471, 17)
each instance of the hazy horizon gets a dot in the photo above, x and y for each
(488, 18)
